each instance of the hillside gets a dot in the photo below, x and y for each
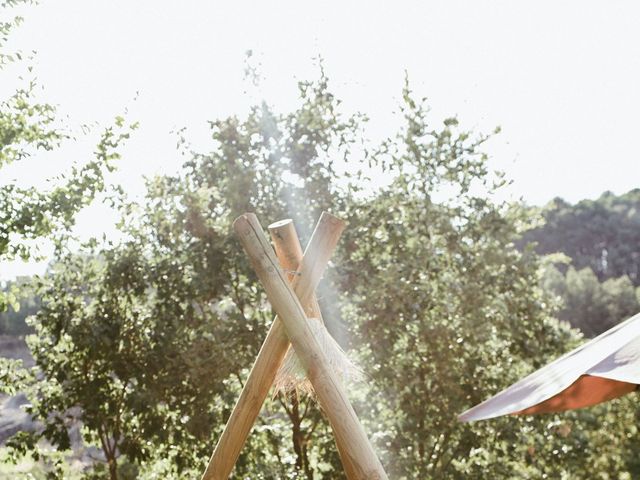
(599, 287)
(602, 234)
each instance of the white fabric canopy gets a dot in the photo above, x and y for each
(614, 355)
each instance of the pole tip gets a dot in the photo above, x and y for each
(280, 223)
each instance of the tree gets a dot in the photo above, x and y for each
(29, 127)
(588, 304)
(444, 309)
(12, 321)
(439, 292)
(151, 337)
(448, 311)
(601, 234)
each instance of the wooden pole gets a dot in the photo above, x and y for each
(321, 246)
(289, 252)
(331, 394)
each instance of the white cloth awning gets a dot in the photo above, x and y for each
(614, 355)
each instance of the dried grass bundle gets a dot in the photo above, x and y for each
(291, 376)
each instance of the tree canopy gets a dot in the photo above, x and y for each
(591, 305)
(596, 277)
(147, 341)
(29, 127)
(602, 234)
(142, 344)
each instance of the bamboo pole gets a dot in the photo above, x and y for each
(333, 399)
(289, 252)
(320, 248)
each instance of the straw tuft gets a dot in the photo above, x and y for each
(291, 376)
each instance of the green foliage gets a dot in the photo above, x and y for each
(103, 348)
(29, 214)
(29, 127)
(24, 122)
(13, 378)
(147, 341)
(8, 22)
(588, 304)
(602, 234)
(446, 310)
(40, 465)
(601, 238)
(24, 304)
(151, 338)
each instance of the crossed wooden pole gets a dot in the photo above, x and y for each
(293, 305)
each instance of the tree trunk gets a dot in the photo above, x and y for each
(109, 453)
(113, 468)
(299, 439)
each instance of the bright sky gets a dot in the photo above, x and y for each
(560, 78)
